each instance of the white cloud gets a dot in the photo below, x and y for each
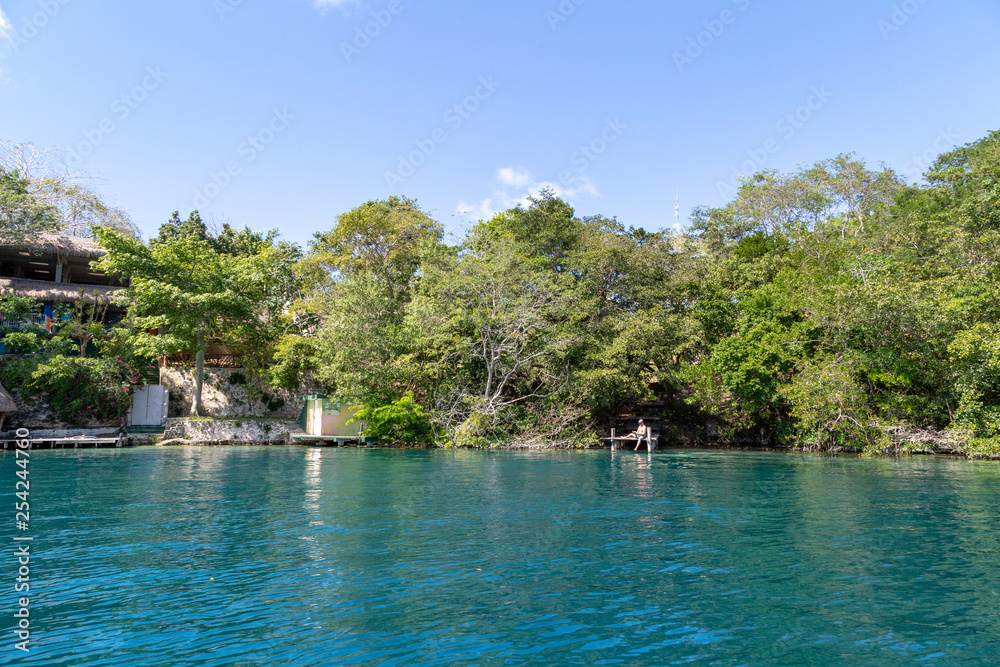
(517, 186)
(517, 177)
(5, 35)
(481, 211)
(323, 5)
(5, 26)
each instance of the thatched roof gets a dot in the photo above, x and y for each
(58, 292)
(67, 246)
(7, 403)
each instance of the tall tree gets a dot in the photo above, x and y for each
(190, 295)
(78, 207)
(22, 215)
(547, 228)
(379, 238)
(361, 276)
(496, 318)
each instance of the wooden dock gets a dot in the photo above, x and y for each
(329, 440)
(651, 441)
(66, 443)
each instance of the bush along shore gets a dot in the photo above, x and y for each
(243, 432)
(836, 308)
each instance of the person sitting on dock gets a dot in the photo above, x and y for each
(640, 434)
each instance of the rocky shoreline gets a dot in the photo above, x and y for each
(246, 431)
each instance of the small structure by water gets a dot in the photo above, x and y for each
(75, 442)
(624, 441)
(7, 405)
(327, 421)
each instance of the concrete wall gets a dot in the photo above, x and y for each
(108, 432)
(230, 431)
(221, 397)
(36, 414)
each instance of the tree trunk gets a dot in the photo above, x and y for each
(199, 376)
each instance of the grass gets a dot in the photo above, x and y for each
(235, 419)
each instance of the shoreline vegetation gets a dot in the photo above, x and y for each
(834, 308)
(925, 447)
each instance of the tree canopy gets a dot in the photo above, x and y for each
(185, 293)
(22, 215)
(834, 306)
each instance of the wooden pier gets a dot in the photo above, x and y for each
(329, 440)
(65, 443)
(651, 441)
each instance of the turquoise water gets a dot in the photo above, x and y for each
(292, 556)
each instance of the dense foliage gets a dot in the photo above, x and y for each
(21, 213)
(81, 390)
(401, 421)
(189, 289)
(833, 307)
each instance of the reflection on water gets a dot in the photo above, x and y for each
(289, 556)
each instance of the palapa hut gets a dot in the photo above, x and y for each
(54, 269)
(7, 405)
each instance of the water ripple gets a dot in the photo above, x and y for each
(274, 556)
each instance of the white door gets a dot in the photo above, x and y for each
(149, 406)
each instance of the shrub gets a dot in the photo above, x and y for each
(25, 342)
(273, 403)
(86, 390)
(15, 374)
(403, 421)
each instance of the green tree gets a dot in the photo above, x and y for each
(21, 214)
(190, 295)
(192, 229)
(495, 318)
(351, 331)
(86, 320)
(401, 421)
(547, 228)
(381, 239)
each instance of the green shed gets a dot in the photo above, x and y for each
(324, 417)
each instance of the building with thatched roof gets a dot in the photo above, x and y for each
(69, 247)
(55, 292)
(54, 269)
(7, 405)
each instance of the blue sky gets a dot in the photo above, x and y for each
(285, 113)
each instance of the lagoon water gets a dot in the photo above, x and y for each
(295, 556)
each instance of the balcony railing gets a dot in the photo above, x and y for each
(24, 322)
(211, 360)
